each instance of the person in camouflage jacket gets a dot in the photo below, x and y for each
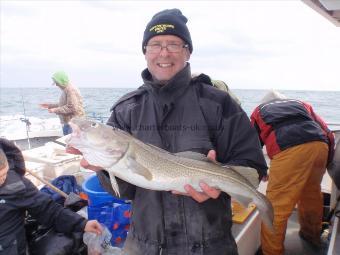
(70, 102)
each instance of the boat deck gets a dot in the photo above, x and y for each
(294, 245)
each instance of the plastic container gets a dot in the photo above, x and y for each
(57, 162)
(96, 194)
(38, 169)
(114, 213)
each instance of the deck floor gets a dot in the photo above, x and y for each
(294, 245)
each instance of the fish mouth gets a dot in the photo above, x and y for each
(75, 129)
(75, 136)
(72, 150)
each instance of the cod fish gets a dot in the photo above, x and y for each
(153, 168)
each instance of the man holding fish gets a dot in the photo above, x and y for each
(173, 118)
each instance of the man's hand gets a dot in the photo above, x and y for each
(208, 192)
(44, 105)
(83, 162)
(52, 110)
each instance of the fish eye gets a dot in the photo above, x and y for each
(94, 124)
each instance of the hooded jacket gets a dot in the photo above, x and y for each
(184, 115)
(18, 195)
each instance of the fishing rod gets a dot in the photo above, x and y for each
(26, 120)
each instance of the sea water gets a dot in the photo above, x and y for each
(19, 105)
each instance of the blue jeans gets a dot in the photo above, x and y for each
(67, 129)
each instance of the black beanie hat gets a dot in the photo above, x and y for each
(168, 22)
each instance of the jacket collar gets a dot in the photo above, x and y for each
(174, 88)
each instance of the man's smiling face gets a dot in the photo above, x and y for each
(165, 65)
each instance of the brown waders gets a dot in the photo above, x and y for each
(294, 178)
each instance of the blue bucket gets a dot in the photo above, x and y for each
(96, 194)
(114, 213)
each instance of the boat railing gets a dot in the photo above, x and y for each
(334, 126)
(97, 117)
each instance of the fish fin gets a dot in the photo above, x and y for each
(187, 154)
(114, 184)
(157, 148)
(123, 133)
(192, 155)
(137, 168)
(247, 172)
(195, 156)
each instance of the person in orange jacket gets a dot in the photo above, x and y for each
(300, 145)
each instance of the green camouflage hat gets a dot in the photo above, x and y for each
(60, 78)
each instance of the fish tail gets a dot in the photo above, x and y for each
(266, 210)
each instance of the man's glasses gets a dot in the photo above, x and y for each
(171, 48)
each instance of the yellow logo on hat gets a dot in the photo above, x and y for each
(160, 28)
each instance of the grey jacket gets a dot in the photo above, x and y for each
(184, 115)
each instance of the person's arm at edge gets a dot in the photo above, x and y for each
(242, 148)
(50, 213)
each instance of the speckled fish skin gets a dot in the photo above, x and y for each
(150, 167)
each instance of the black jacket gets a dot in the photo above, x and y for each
(184, 115)
(18, 195)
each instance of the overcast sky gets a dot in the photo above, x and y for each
(249, 44)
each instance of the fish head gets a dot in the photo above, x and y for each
(100, 144)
